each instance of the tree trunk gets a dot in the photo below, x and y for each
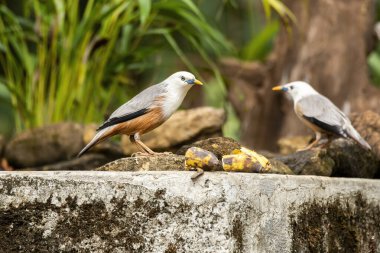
(328, 48)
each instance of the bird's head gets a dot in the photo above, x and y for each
(296, 89)
(183, 79)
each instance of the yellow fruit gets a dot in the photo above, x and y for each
(200, 158)
(245, 160)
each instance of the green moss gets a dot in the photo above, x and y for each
(337, 226)
(119, 227)
(171, 248)
(237, 233)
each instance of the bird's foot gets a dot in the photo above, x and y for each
(316, 145)
(304, 149)
(141, 154)
(160, 153)
(163, 153)
(311, 146)
(151, 154)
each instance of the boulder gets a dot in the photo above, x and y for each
(342, 158)
(368, 125)
(279, 167)
(45, 145)
(147, 163)
(351, 160)
(310, 162)
(220, 146)
(173, 162)
(183, 127)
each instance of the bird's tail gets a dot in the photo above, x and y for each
(356, 137)
(100, 136)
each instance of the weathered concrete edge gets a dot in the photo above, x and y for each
(122, 175)
(259, 206)
(181, 184)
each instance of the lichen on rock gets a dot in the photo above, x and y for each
(220, 146)
(336, 226)
(147, 163)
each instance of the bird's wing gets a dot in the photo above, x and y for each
(137, 106)
(323, 113)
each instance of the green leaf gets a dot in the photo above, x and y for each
(374, 66)
(266, 7)
(260, 44)
(145, 6)
(281, 9)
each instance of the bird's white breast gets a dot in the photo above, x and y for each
(173, 99)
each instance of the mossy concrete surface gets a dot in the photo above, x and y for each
(168, 212)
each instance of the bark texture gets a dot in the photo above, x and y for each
(328, 48)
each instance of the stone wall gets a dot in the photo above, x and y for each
(168, 212)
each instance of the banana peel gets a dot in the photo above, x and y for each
(245, 160)
(240, 160)
(200, 160)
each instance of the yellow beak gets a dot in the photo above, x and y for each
(198, 82)
(277, 88)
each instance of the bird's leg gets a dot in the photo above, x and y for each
(318, 137)
(327, 142)
(142, 152)
(147, 150)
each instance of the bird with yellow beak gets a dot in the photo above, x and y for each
(146, 111)
(320, 114)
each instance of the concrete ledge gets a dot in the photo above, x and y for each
(167, 212)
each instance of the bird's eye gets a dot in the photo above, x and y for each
(182, 78)
(291, 87)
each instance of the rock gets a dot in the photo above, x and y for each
(96, 211)
(220, 146)
(183, 127)
(147, 163)
(351, 160)
(342, 158)
(89, 161)
(368, 125)
(310, 162)
(279, 168)
(289, 145)
(45, 145)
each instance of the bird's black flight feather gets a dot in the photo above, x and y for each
(117, 120)
(335, 129)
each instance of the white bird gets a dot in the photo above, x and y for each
(146, 111)
(320, 114)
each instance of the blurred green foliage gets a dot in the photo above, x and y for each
(250, 29)
(374, 65)
(6, 112)
(67, 60)
(73, 60)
